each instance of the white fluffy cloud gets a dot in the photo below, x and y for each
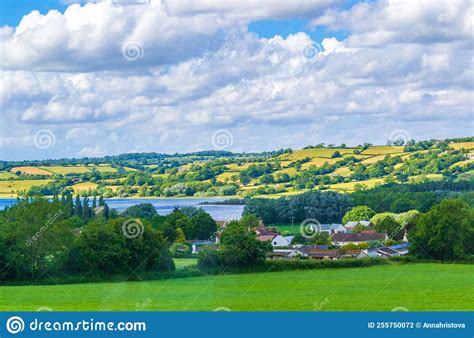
(393, 21)
(66, 72)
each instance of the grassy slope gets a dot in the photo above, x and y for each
(83, 186)
(6, 175)
(440, 287)
(282, 227)
(31, 171)
(461, 145)
(467, 176)
(63, 170)
(9, 186)
(349, 186)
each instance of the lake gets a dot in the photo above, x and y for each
(165, 205)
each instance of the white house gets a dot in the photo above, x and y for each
(350, 225)
(280, 240)
(332, 228)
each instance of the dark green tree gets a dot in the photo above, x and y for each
(78, 206)
(142, 210)
(201, 226)
(86, 210)
(359, 213)
(445, 232)
(36, 237)
(244, 177)
(391, 227)
(239, 249)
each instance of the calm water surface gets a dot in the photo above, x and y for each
(166, 205)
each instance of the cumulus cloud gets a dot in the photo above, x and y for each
(392, 21)
(91, 152)
(67, 72)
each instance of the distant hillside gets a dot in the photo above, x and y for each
(221, 173)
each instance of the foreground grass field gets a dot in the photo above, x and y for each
(181, 263)
(416, 287)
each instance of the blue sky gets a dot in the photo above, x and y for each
(103, 78)
(270, 28)
(14, 10)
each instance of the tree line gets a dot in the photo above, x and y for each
(71, 239)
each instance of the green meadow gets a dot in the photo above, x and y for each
(293, 229)
(415, 287)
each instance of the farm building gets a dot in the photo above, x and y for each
(332, 228)
(286, 254)
(386, 251)
(276, 239)
(341, 239)
(313, 253)
(350, 225)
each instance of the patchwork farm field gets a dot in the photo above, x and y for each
(6, 175)
(11, 186)
(350, 186)
(31, 171)
(246, 173)
(416, 287)
(83, 186)
(462, 145)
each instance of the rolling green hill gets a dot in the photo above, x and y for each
(220, 173)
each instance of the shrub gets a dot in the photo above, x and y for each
(359, 213)
(446, 232)
(180, 250)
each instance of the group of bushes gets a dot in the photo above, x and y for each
(305, 264)
(327, 207)
(239, 248)
(38, 241)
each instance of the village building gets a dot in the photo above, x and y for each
(276, 239)
(332, 228)
(330, 253)
(386, 251)
(341, 239)
(351, 225)
(286, 254)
